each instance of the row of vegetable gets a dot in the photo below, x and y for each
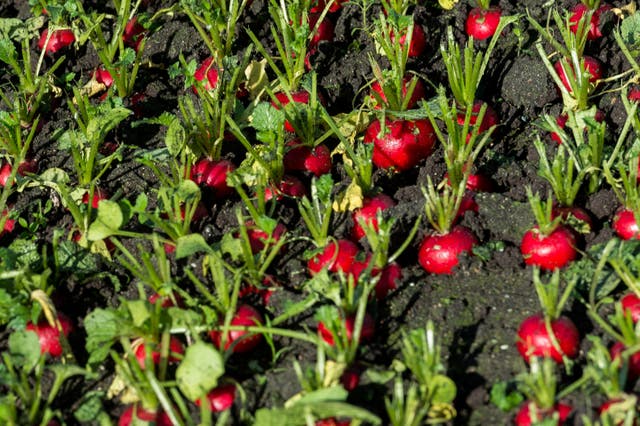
(199, 313)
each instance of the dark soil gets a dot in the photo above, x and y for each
(476, 310)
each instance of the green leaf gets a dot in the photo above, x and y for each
(110, 219)
(7, 51)
(102, 124)
(266, 118)
(90, 407)
(104, 327)
(71, 258)
(505, 397)
(630, 30)
(298, 413)
(139, 311)
(176, 137)
(24, 348)
(444, 389)
(191, 244)
(200, 370)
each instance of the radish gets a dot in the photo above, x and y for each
(167, 301)
(387, 277)
(26, 166)
(367, 331)
(49, 336)
(133, 33)
(60, 39)
(400, 144)
(562, 119)
(634, 94)
(301, 97)
(418, 93)
(482, 22)
(321, 4)
(206, 71)
(633, 360)
(258, 238)
(98, 195)
(591, 65)
(615, 411)
(489, 119)
(534, 338)
(439, 253)
(367, 214)
(529, 414)
(159, 418)
(336, 256)
(630, 304)
(625, 225)
(554, 250)
(220, 398)
(176, 349)
(9, 224)
(350, 379)
(290, 186)
(324, 32)
(575, 212)
(418, 41)
(332, 421)
(103, 76)
(242, 341)
(212, 175)
(577, 13)
(300, 157)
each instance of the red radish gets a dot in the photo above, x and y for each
(209, 71)
(301, 97)
(525, 417)
(551, 251)
(242, 341)
(176, 349)
(366, 332)
(577, 13)
(350, 379)
(368, 213)
(534, 338)
(615, 410)
(482, 23)
(60, 39)
(336, 256)
(591, 65)
(316, 160)
(630, 303)
(418, 93)
(468, 204)
(577, 213)
(9, 224)
(633, 360)
(49, 336)
(104, 77)
(166, 301)
(290, 186)
(26, 166)
(321, 4)
(137, 104)
(258, 237)
(401, 144)
(98, 195)
(418, 41)
(133, 33)
(634, 94)
(220, 398)
(439, 253)
(489, 119)
(625, 225)
(562, 119)
(332, 421)
(388, 277)
(213, 174)
(159, 418)
(324, 31)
